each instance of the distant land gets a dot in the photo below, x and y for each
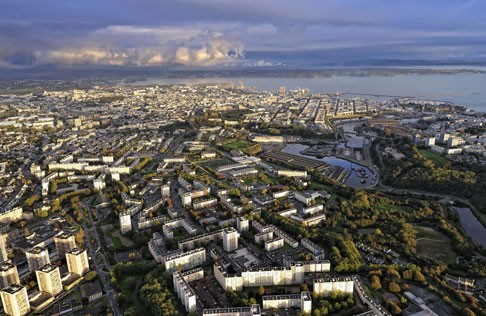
(90, 75)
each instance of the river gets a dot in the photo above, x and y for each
(471, 225)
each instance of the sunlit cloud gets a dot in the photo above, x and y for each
(251, 33)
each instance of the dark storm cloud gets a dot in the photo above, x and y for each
(223, 32)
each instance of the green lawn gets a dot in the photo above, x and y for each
(239, 144)
(436, 158)
(213, 164)
(116, 242)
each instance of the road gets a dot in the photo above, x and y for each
(105, 265)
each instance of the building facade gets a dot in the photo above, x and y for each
(8, 275)
(77, 261)
(15, 300)
(65, 242)
(49, 280)
(37, 257)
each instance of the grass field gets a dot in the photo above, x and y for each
(434, 245)
(122, 239)
(238, 144)
(436, 158)
(213, 164)
(116, 242)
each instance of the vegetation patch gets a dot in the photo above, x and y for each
(434, 245)
(237, 145)
(213, 164)
(436, 158)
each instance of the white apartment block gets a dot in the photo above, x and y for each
(306, 197)
(302, 301)
(12, 215)
(292, 173)
(313, 266)
(37, 257)
(230, 239)
(253, 310)
(169, 226)
(317, 252)
(325, 286)
(274, 244)
(8, 275)
(243, 172)
(205, 203)
(125, 223)
(174, 159)
(49, 280)
(288, 213)
(200, 240)
(264, 236)
(267, 276)
(281, 194)
(77, 261)
(184, 260)
(313, 209)
(268, 139)
(15, 300)
(314, 220)
(183, 290)
(242, 224)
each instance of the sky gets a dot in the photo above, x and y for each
(227, 33)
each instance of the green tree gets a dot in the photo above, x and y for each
(90, 276)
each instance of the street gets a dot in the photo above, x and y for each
(95, 251)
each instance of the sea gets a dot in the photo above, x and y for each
(463, 89)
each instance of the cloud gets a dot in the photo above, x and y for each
(240, 33)
(130, 45)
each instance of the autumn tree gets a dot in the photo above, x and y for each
(394, 287)
(375, 282)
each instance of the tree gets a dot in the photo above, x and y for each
(407, 274)
(43, 213)
(261, 290)
(55, 206)
(394, 274)
(90, 276)
(419, 277)
(80, 236)
(375, 283)
(52, 187)
(394, 287)
(235, 192)
(469, 312)
(30, 201)
(394, 308)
